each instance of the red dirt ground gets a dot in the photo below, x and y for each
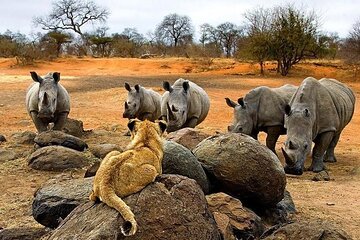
(97, 95)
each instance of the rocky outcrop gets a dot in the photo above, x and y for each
(242, 167)
(173, 207)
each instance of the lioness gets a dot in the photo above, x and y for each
(122, 174)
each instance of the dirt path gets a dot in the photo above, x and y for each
(97, 95)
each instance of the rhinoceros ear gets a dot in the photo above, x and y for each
(167, 87)
(36, 77)
(186, 86)
(241, 102)
(56, 76)
(230, 103)
(137, 87)
(287, 109)
(127, 87)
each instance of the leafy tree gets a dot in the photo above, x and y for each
(175, 30)
(57, 38)
(350, 50)
(293, 33)
(101, 43)
(72, 15)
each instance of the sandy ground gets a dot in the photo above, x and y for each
(97, 95)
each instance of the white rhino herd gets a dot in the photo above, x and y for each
(316, 111)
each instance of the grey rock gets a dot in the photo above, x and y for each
(100, 150)
(74, 127)
(321, 176)
(57, 158)
(58, 138)
(26, 137)
(180, 160)
(2, 138)
(240, 166)
(173, 207)
(6, 155)
(91, 171)
(22, 233)
(188, 137)
(55, 200)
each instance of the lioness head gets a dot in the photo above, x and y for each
(137, 127)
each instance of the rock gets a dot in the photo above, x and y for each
(59, 138)
(55, 200)
(74, 127)
(91, 171)
(240, 166)
(180, 160)
(100, 150)
(2, 138)
(234, 220)
(173, 207)
(321, 176)
(6, 155)
(188, 137)
(22, 233)
(57, 158)
(26, 137)
(314, 230)
(287, 203)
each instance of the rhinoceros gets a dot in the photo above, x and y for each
(47, 101)
(318, 112)
(184, 104)
(262, 109)
(142, 103)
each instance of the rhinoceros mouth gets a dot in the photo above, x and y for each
(293, 170)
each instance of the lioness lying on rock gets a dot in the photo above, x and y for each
(122, 174)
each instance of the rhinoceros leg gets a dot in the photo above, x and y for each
(330, 155)
(40, 125)
(60, 121)
(273, 134)
(191, 122)
(322, 143)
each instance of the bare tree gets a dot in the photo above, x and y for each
(350, 50)
(228, 35)
(175, 30)
(72, 15)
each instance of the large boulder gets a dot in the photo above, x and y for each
(101, 150)
(233, 219)
(2, 138)
(188, 137)
(240, 166)
(22, 233)
(314, 230)
(26, 137)
(74, 127)
(180, 160)
(57, 158)
(173, 207)
(55, 200)
(58, 138)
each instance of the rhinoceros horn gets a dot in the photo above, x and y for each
(45, 100)
(126, 105)
(287, 158)
(171, 114)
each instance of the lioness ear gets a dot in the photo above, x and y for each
(127, 87)
(137, 87)
(56, 76)
(186, 86)
(35, 77)
(230, 103)
(162, 125)
(241, 102)
(167, 87)
(131, 124)
(287, 109)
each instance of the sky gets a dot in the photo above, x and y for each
(335, 15)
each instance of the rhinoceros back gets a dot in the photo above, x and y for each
(343, 99)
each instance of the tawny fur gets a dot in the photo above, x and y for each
(122, 174)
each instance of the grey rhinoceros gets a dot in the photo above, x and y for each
(184, 104)
(142, 103)
(47, 101)
(262, 109)
(318, 112)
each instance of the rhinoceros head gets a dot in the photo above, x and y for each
(132, 103)
(48, 91)
(242, 122)
(177, 108)
(298, 121)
